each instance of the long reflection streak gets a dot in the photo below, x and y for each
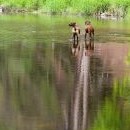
(78, 93)
(65, 116)
(77, 103)
(86, 62)
(82, 86)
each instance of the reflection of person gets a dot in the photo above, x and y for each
(75, 30)
(75, 48)
(89, 29)
(89, 47)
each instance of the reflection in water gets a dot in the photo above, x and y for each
(89, 46)
(45, 87)
(75, 48)
(80, 108)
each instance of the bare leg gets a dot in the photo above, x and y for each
(77, 38)
(90, 35)
(93, 35)
(74, 37)
(85, 35)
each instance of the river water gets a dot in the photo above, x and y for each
(48, 83)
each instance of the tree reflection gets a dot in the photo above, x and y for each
(46, 87)
(114, 113)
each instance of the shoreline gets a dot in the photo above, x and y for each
(100, 15)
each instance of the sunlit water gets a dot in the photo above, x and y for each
(48, 83)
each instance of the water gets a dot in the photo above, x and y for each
(47, 83)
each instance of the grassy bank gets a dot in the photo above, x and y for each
(87, 7)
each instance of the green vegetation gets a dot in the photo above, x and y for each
(36, 62)
(114, 113)
(88, 7)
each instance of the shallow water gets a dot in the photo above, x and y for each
(47, 83)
